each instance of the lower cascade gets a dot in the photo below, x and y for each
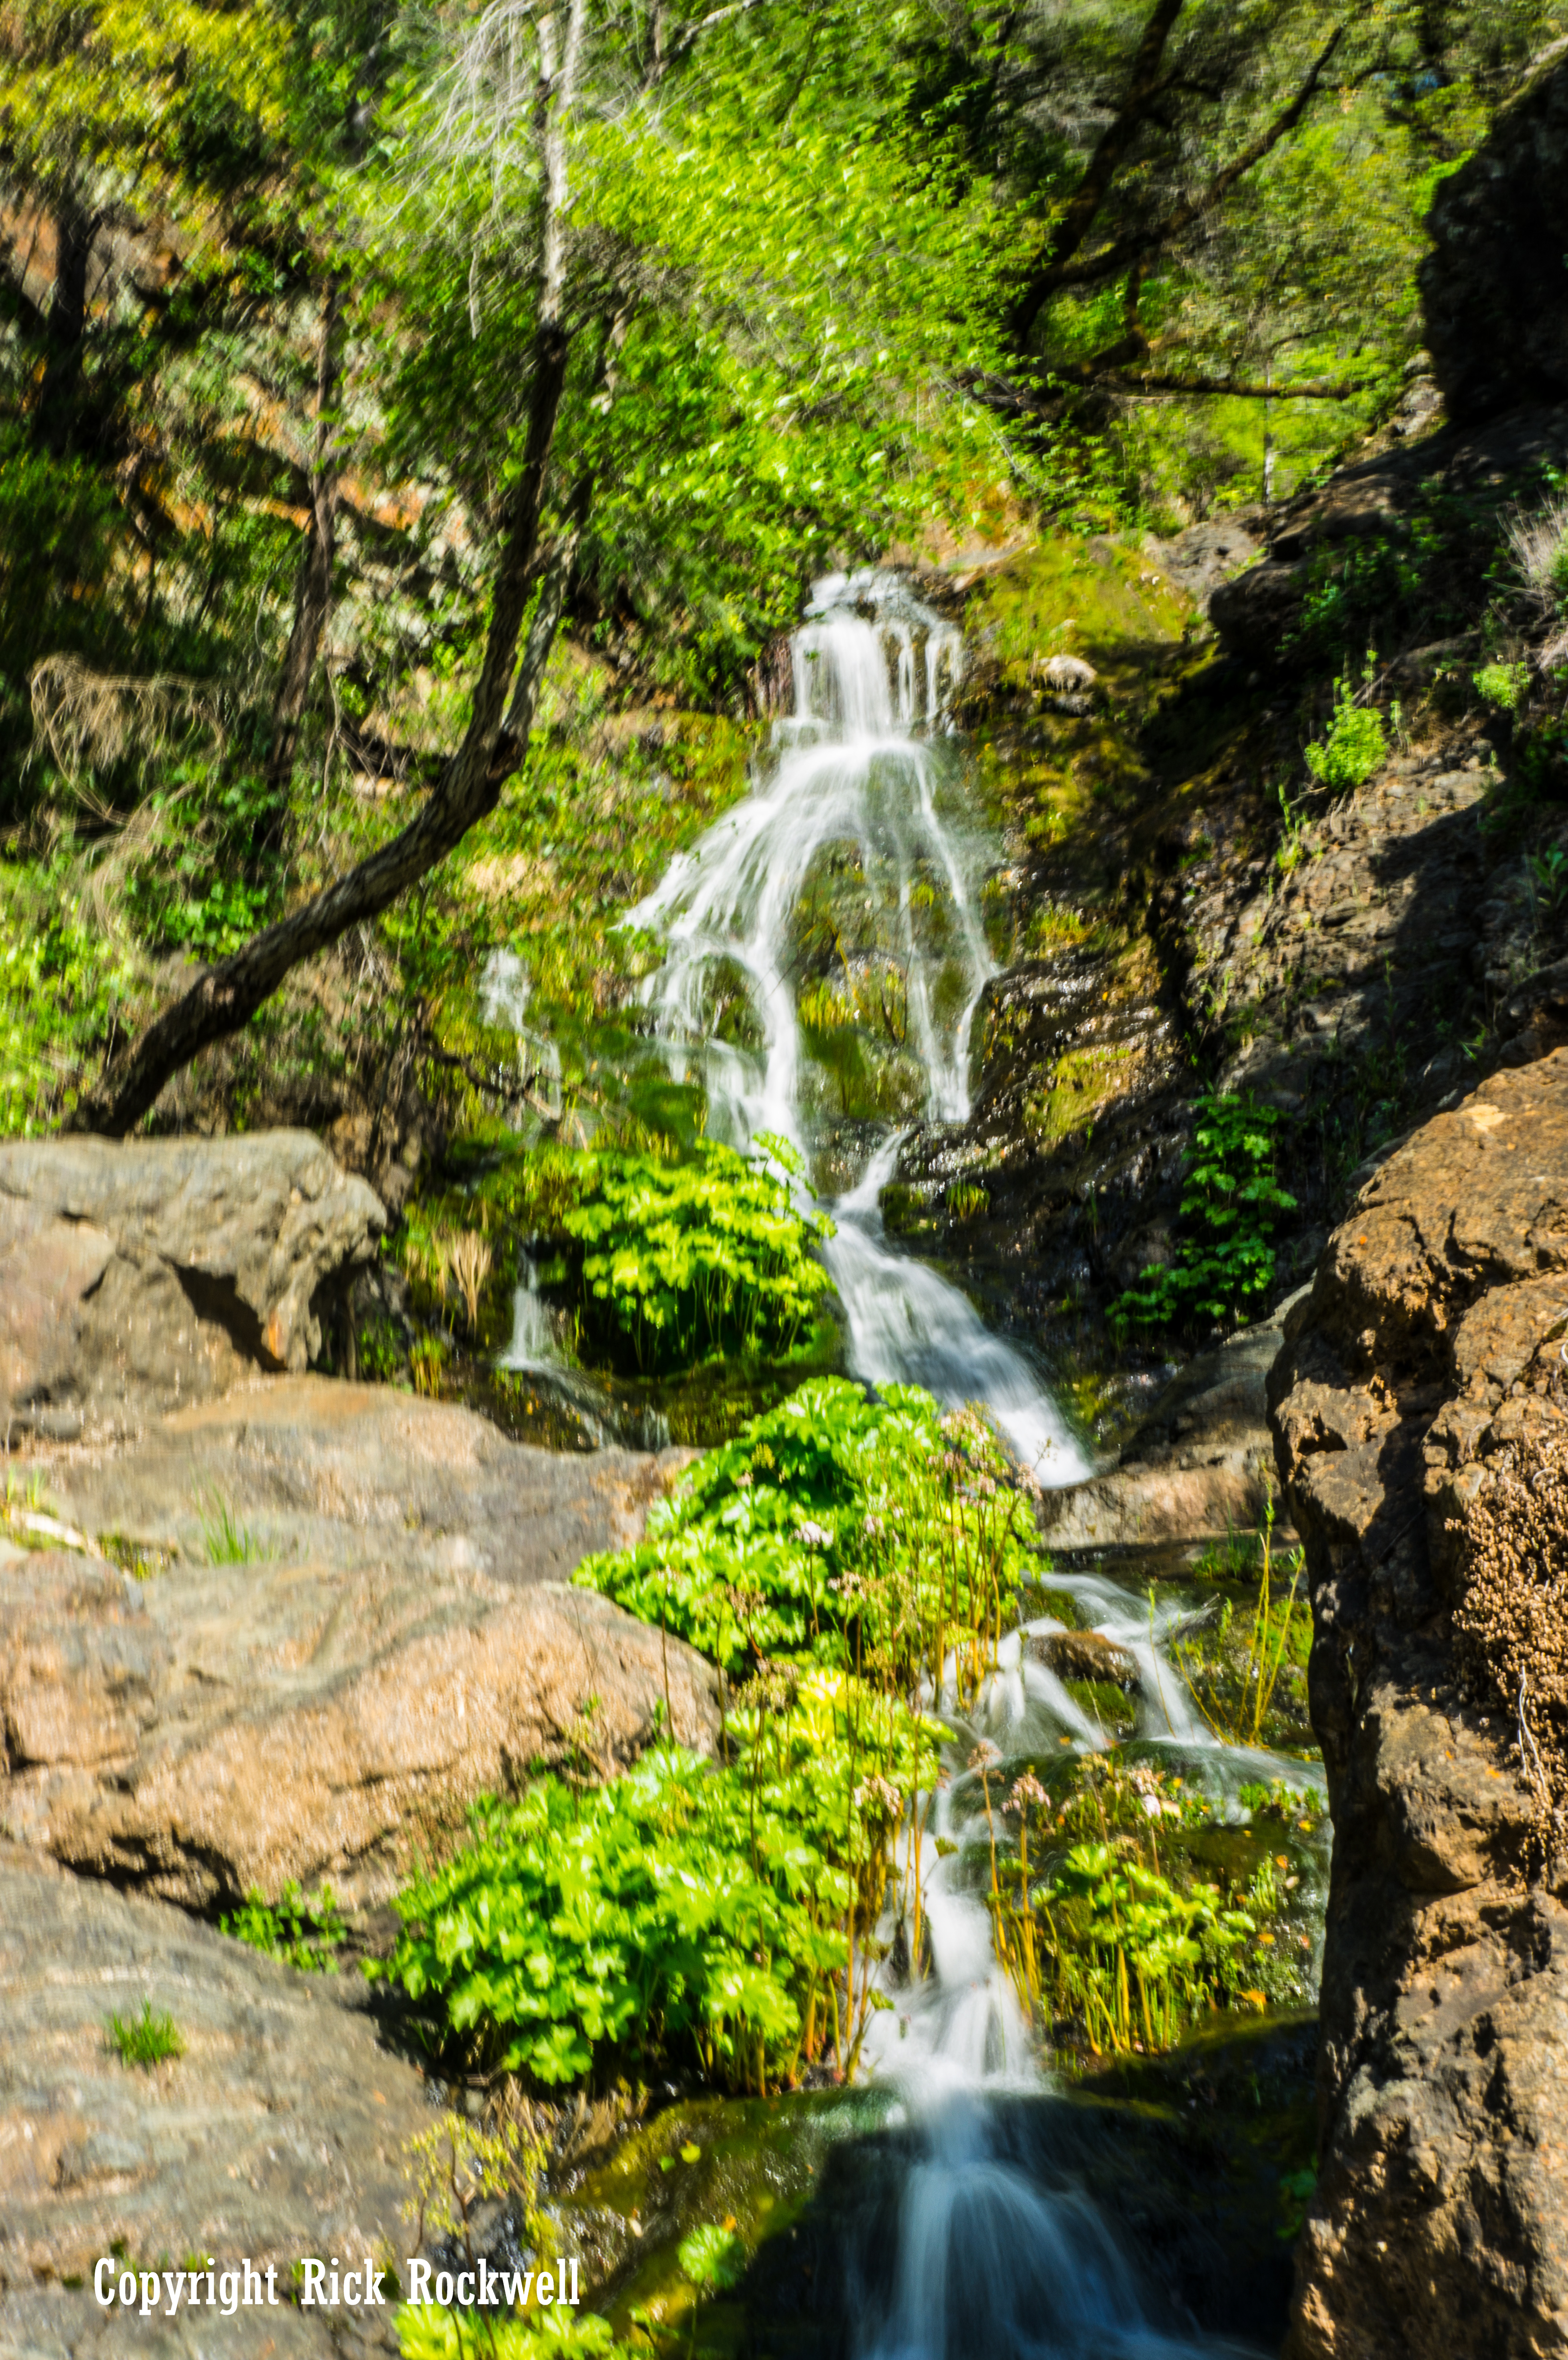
(991, 2261)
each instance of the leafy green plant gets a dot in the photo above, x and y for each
(302, 1931)
(711, 1255)
(379, 1352)
(1354, 744)
(686, 1911)
(146, 2039)
(430, 2331)
(1137, 1960)
(1548, 873)
(1501, 684)
(713, 2257)
(837, 1527)
(1223, 1266)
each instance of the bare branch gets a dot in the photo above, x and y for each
(1062, 270)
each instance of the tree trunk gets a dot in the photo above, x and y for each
(65, 327)
(312, 587)
(228, 995)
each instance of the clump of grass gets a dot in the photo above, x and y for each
(225, 1539)
(146, 2039)
(1237, 1705)
(472, 1260)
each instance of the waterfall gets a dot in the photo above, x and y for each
(990, 2264)
(872, 667)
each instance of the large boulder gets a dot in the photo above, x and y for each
(1198, 1465)
(1427, 1359)
(280, 2132)
(1492, 286)
(137, 1277)
(295, 1634)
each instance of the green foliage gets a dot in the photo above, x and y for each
(687, 1912)
(302, 1931)
(1548, 874)
(430, 2331)
(1223, 1266)
(713, 2257)
(711, 1255)
(1502, 685)
(1234, 1692)
(1138, 1959)
(1353, 747)
(146, 2039)
(1383, 581)
(60, 983)
(839, 1526)
(225, 1539)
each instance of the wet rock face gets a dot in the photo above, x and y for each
(352, 1618)
(1086, 1656)
(279, 2133)
(135, 1277)
(1197, 1465)
(1427, 1356)
(1492, 285)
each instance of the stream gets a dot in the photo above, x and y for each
(983, 2251)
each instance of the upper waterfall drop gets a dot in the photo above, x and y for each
(852, 786)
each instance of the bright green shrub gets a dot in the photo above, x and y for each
(695, 1258)
(430, 2331)
(303, 1931)
(686, 1912)
(1137, 1960)
(59, 981)
(836, 1525)
(1501, 684)
(1353, 747)
(1223, 1264)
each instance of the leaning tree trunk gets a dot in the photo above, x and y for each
(228, 995)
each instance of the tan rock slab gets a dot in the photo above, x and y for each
(397, 1635)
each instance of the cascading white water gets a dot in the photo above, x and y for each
(988, 2263)
(849, 771)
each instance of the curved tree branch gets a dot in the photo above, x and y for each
(1066, 268)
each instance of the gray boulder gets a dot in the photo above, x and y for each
(280, 2132)
(137, 1277)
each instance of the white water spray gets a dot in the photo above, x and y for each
(849, 771)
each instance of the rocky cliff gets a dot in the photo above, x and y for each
(1492, 285)
(1424, 1372)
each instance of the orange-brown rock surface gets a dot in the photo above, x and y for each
(388, 1630)
(1428, 1357)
